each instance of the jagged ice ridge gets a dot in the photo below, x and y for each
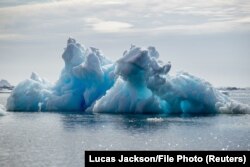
(137, 83)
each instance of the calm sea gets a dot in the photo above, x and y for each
(60, 139)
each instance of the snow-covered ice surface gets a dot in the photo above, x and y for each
(137, 83)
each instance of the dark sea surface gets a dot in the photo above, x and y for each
(60, 139)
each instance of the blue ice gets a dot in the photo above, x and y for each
(138, 82)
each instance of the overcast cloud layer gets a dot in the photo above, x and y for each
(207, 38)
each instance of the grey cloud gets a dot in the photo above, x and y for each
(57, 17)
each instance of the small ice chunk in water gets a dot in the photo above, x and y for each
(155, 119)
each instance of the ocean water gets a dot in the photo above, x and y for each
(60, 139)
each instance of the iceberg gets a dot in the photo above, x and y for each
(138, 82)
(5, 85)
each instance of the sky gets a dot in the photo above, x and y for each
(209, 39)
